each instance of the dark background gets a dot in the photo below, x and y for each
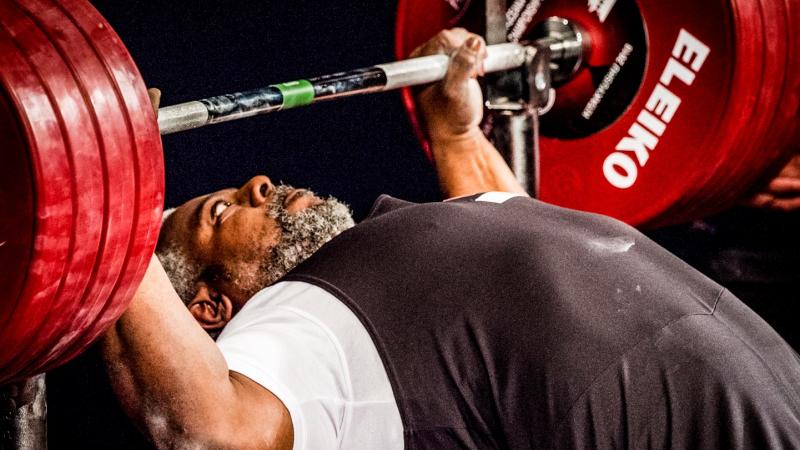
(354, 149)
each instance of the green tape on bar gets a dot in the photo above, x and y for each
(296, 93)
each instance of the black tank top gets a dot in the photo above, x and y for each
(524, 325)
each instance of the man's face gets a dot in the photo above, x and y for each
(244, 239)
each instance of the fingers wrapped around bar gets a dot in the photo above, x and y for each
(454, 106)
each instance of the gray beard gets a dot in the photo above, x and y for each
(302, 233)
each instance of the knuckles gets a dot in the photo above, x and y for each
(446, 41)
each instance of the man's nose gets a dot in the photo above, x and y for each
(256, 191)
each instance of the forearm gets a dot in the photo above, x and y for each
(469, 163)
(167, 372)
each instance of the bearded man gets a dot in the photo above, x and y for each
(489, 320)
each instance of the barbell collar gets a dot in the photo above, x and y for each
(569, 44)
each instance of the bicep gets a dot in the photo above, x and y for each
(261, 413)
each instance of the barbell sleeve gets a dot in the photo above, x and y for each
(382, 77)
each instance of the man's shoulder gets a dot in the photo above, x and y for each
(386, 203)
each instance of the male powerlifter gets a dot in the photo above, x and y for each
(490, 320)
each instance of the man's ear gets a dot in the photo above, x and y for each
(211, 309)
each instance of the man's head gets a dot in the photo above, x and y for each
(222, 248)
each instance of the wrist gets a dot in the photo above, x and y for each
(466, 138)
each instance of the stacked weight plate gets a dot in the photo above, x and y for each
(733, 128)
(766, 133)
(82, 181)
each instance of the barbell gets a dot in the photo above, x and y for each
(677, 111)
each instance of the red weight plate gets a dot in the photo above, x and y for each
(112, 162)
(781, 135)
(640, 186)
(146, 168)
(724, 179)
(758, 153)
(51, 182)
(16, 198)
(713, 97)
(99, 204)
(59, 66)
(789, 107)
(764, 141)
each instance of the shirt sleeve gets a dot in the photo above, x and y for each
(294, 357)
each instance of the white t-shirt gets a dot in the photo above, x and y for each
(309, 349)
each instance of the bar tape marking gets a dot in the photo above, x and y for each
(296, 93)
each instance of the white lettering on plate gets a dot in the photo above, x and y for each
(688, 55)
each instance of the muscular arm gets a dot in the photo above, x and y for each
(469, 163)
(173, 381)
(466, 162)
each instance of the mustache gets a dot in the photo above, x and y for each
(330, 210)
(279, 197)
(276, 208)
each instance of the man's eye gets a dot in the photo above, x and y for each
(218, 208)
